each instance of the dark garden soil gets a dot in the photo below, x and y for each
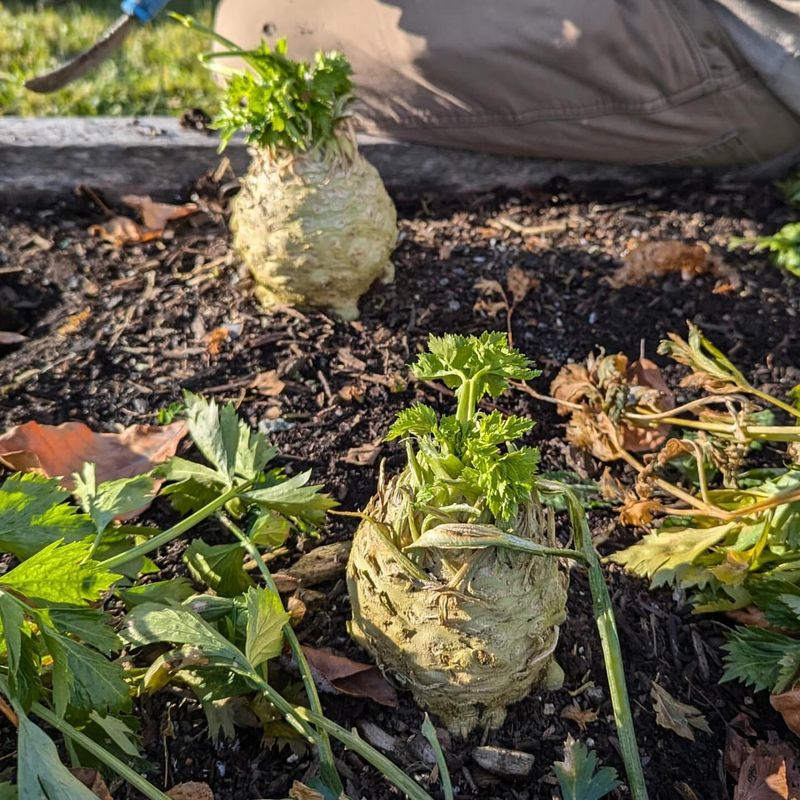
(141, 336)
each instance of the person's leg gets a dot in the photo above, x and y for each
(647, 82)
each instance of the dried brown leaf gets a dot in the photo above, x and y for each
(57, 451)
(639, 512)
(215, 338)
(123, 230)
(300, 791)
(268, 383)
(583, 717)
(325, 563)
(156, 215)
(519, 283)
(488, 286)
(676, 716)
(351, 393)
(339, 674)
(769, 772)
(192, 790)
(787, 704)
(364, 455)
(648, 261)
(297, 610)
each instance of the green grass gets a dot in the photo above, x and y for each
(156, 72)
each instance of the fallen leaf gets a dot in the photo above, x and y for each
(770, 772)
(351, 393)
(676, 716)
(215, 338)
(123, 230)
(156, 215)
(787, 704)
(300, 791)
(583, 717)
(639, 512)
(334, 673)
(192, 790)
(519, 283)
(93, 781)
(74, 322)
(297, 610)
(651, 260)
(365, 455)
(9, 337)
(57, 451)
(268, 383)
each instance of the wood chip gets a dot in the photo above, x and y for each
(500, 761)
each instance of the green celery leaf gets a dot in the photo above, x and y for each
(33, 514)
(266, 617)
(175, 590)
(215, 433)
(83, 678)
(23, 660)
(665, 557)
(269, 529)
(219, 566)
(778, 600)
(295, 497)
(149, 623)
(41, 774)
(112, 498)
(761, 658)
(417, 420)
(117, 732)
(578, 775)
(60, 573)
(90, 625)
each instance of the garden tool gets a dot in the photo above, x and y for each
(134, 12)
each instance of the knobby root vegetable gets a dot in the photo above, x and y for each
(477, 634)
(314, 230)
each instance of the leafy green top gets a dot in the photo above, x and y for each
(285, 106)
(784, 245)
(471, 457)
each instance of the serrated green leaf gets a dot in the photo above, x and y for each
(60, 573)
(175, 590)
(34, 514)
(578, 774)
(149, 623)
(219, 566)
(269, 530)
(666, 556)
(21, 653)
(83, 678)
(118, 732)
(760, 658)
(90, 625)
(296, 498)
(266, 617)
(40, 773)
(111, 498)
(417, 420)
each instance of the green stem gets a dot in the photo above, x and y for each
(609, 640)
(165, 537)
(768, 398)
(352, 741)
(326, 753)
(99, 752)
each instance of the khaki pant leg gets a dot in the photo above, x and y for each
(650, 81)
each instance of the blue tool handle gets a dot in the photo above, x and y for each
(143, 10)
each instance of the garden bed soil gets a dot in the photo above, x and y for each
(116, 334)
